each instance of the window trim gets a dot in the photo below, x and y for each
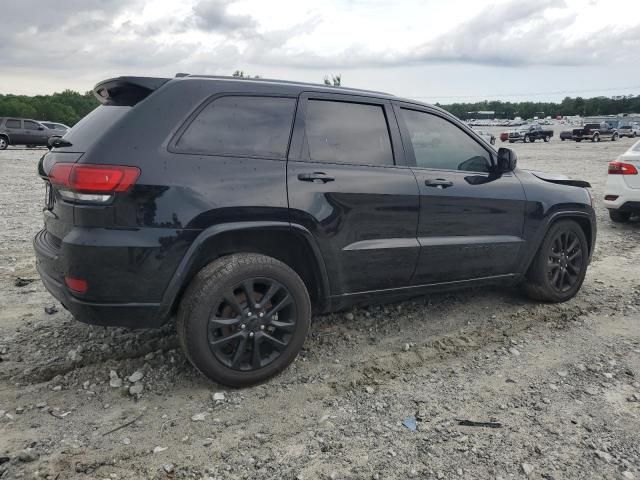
(24, 123)
(297, 149)
(408, 145)
(173, 147)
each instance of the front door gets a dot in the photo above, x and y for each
(347, 186)
(471, 220)
(34, 135)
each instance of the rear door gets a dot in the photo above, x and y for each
(348, 185)
(15, 131)
(471, 220)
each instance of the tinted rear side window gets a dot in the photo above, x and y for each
(345, 132)
(92, 126)
(13, 124)
(243, 126)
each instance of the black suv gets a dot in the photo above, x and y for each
(242, 206)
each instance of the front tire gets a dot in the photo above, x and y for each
(559, 267)
(527, 139)
(617, 216)
(546, 138)
(614, 137)
(244, 319)
(596, 138)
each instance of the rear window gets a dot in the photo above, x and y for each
(244, 126)
(87, 130)
(13, 124)
(345, 132)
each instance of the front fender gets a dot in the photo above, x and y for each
(544, 226)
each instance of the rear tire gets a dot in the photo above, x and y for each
(614, 137)
(546, 139)
(4, 143)
(617, 216)
(596, 138)
(237, 340)
(558, 269)
(527, 139)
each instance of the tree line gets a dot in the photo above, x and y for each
(69, 106)
(66, 107)
(586, 107)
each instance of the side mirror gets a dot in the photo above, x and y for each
(40, 127)
(507, 160)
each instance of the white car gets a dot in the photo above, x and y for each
(486, 136)
(622, 191)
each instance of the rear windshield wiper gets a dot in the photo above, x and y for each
(55, 142)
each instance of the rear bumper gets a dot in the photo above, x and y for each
(628, 198)
(52, 262)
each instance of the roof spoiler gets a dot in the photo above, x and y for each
(126, 91)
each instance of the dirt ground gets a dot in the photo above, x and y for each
(561, 381)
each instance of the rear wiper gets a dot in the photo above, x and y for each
(55, 142)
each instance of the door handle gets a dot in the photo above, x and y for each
(315, 177)
(438, 183)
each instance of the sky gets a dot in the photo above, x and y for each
(431, 50)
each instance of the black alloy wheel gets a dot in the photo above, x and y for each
(243, 318)
(252, 325)
(565, 261)
(560, 265)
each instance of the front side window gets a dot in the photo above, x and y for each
(241, 126)
(440, 144)
(345, 132)
(13, 124)
(29, 125)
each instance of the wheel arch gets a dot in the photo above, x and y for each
(583, 219)
(292, 244)
(6, 135)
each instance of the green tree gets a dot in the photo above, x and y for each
(336, 80)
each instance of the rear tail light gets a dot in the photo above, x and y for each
(619, 168)
(92, 183)
(77, 285)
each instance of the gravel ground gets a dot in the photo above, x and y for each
(560, 382)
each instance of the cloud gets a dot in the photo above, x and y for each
(213, 15)
(96, 38)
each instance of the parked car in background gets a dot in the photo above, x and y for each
(239, 207)
(58, 127)
(486, 136)
(566, 135)
(627, 131)
(23, 131)
(622, 190)
(530, 133)
(595, 132)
